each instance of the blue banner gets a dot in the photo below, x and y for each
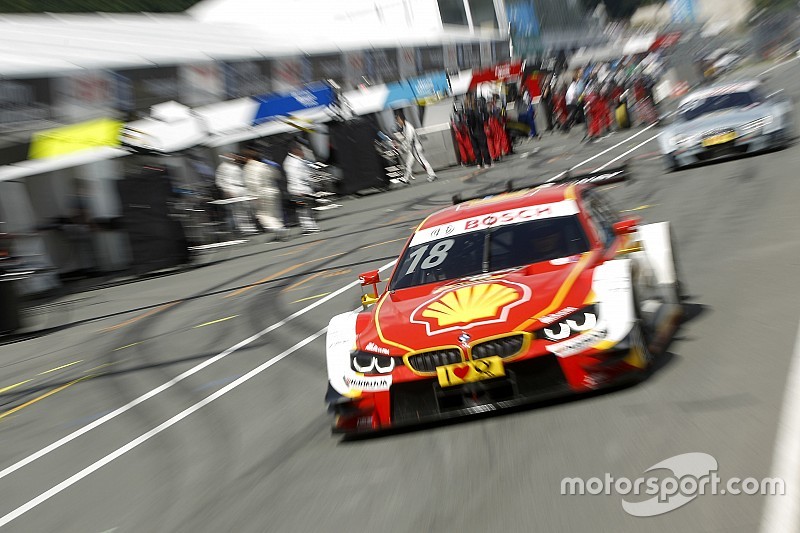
(406, 92)
(283, 104)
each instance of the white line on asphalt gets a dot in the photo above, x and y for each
(602, 153)
(130, 405)
(144, 437)
(779, 65)
(781, 512)
(177, 379)
(626, 153)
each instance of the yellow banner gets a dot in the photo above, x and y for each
(75, 138)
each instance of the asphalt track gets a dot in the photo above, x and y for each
(194, 401)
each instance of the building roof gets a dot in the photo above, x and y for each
(46, 44)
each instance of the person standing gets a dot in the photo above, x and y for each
(546, 103)
(413, 150)
(476, 122)
(260, 182)
(298, 183)
(230, 180)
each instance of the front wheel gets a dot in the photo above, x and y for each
(670, 163)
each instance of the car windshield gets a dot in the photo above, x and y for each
(490, 250)
(696, 108)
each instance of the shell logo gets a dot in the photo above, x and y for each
(469, 306)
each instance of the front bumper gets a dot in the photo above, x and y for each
(533, 379)
(747, 144)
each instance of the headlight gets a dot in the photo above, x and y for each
(756, 125)
(578, 322)
(370, 363)
(678, 140)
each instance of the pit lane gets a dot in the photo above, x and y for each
(260, 457)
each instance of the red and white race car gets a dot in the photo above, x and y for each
(501, 300)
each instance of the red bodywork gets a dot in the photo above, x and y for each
(396, 324)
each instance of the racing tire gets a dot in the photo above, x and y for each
(680, 286)
(670, 164)
(641, 334)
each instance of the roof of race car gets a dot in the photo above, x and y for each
(720, 89)
(557, 200)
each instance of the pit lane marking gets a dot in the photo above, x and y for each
(299, 249)
(14, 386)
(154, 392)
(384, 242)
(169, 384)
(140, 317)
(119, 452)
(561, 174)
(656, 136)
(311, 297)
(42, 397)
(58, 368)
(279, 274)
(215, 321)
(131, 345)
(782, 512)
(321, 274)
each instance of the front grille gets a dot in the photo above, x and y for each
(716, 152)
(428, 361)
(504, 347)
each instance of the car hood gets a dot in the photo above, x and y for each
(469, 309)
(720, 120)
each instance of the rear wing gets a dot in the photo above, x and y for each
(598, 178)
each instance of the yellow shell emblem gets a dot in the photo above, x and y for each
(468, 304)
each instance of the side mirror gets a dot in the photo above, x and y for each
(626, 227)
(373, 277)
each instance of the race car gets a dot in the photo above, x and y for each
(726, 120)
(501, 300)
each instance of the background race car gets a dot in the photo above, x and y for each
(726, 120)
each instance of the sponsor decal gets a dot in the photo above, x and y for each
(369, 383)
(578, 344)
(549, 319)
(374, 348)
(500, 218)
(473, 305)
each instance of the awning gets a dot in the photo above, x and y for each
(403, 93)
(296, 122)
(226, 117)
(171, 127)
(316, 95)
(32, 167)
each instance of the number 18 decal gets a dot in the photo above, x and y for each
(437, 255)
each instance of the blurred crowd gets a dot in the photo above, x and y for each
(603, 97)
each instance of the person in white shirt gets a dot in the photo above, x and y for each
(413, 150)
(298, 176)
(260, 181)
(230, 179)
